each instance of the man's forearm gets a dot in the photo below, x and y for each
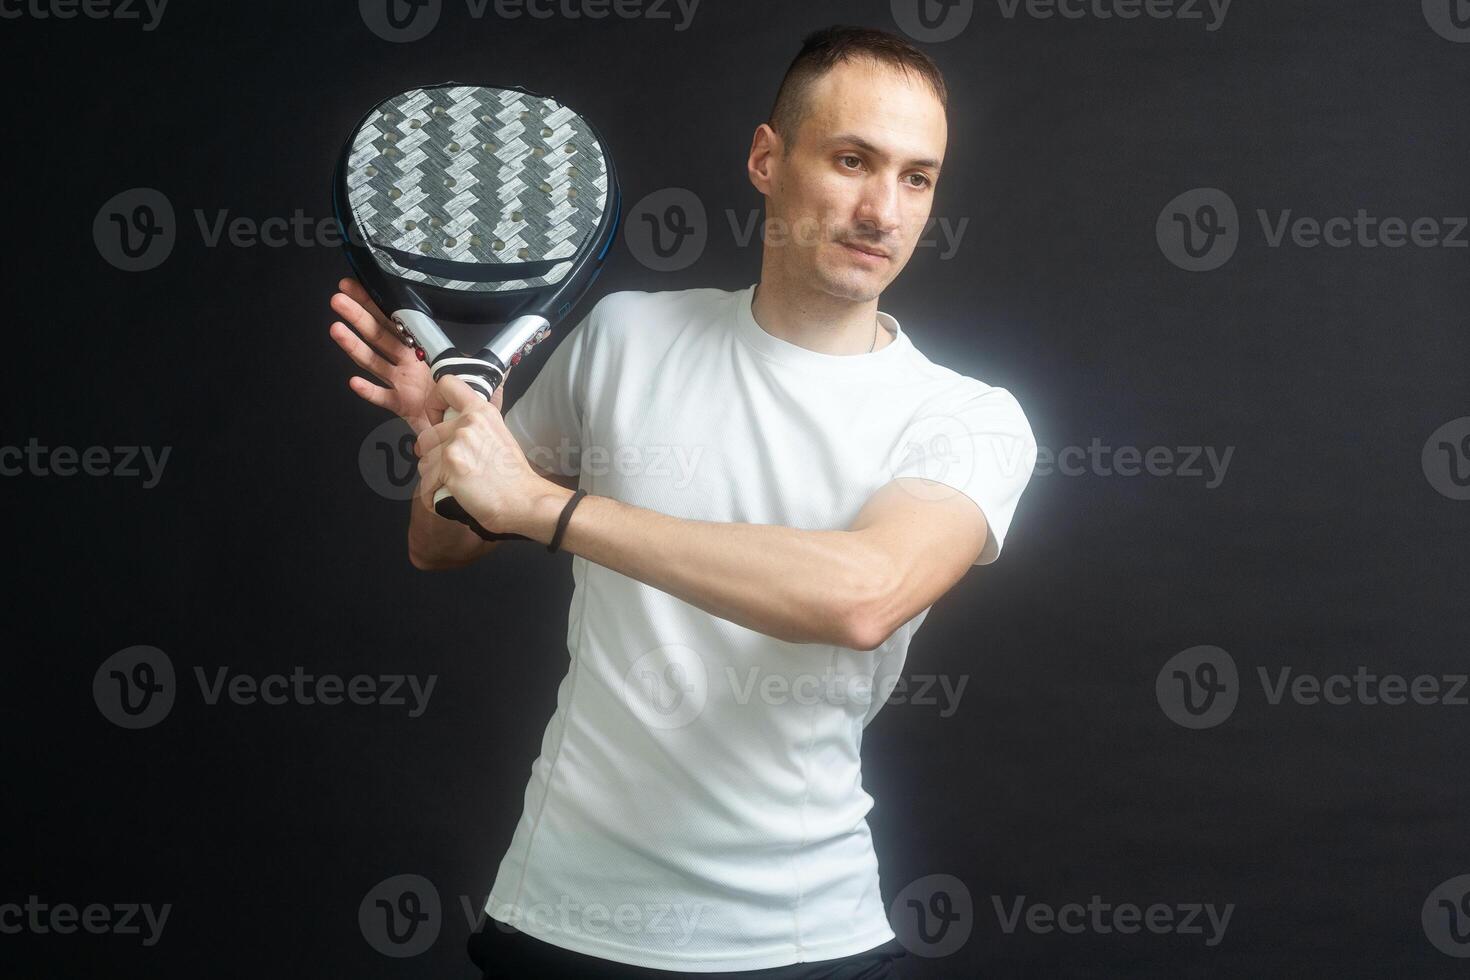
(436, 544)
(800, 586)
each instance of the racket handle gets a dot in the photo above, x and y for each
(447, 507)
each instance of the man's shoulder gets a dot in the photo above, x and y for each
(943, 391)
(629, 308)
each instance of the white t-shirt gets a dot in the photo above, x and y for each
(698, 801)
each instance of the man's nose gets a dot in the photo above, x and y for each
(877, 212)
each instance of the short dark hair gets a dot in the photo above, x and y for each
(822, 50)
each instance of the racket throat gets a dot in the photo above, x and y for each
(484, 371)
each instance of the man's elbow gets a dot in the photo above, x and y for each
(863, 634)
(868, 619)
(426, 562)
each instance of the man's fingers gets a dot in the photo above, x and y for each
(373, 330)
(381, 397)
(355, 289)
(458, 395)
(362, 355)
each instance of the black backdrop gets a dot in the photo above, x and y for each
(1075, 762)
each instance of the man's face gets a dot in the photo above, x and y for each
(848, 203)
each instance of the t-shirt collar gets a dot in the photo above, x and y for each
(785, 352)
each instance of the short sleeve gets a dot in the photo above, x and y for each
(547, 420)
(979, 444)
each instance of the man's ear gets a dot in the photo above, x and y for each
(765, 147)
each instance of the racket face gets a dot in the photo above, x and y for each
(475, 203)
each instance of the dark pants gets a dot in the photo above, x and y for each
(505, 953)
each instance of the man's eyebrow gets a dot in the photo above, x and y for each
(854, 140)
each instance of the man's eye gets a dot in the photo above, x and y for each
(923, 181)
(848, 160)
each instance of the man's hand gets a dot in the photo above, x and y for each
(375, 348)
(477, 458)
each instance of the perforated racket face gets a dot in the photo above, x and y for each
(476, 189)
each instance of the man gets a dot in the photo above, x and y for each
(779, 485)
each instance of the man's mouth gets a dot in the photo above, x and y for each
(868, 250)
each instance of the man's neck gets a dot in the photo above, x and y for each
(815, 320)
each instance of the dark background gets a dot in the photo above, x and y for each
(263, 547)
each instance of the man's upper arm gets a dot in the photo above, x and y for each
(958, 474)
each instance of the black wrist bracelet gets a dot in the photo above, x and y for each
(561, 523)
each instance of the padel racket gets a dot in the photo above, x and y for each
(476, 218)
